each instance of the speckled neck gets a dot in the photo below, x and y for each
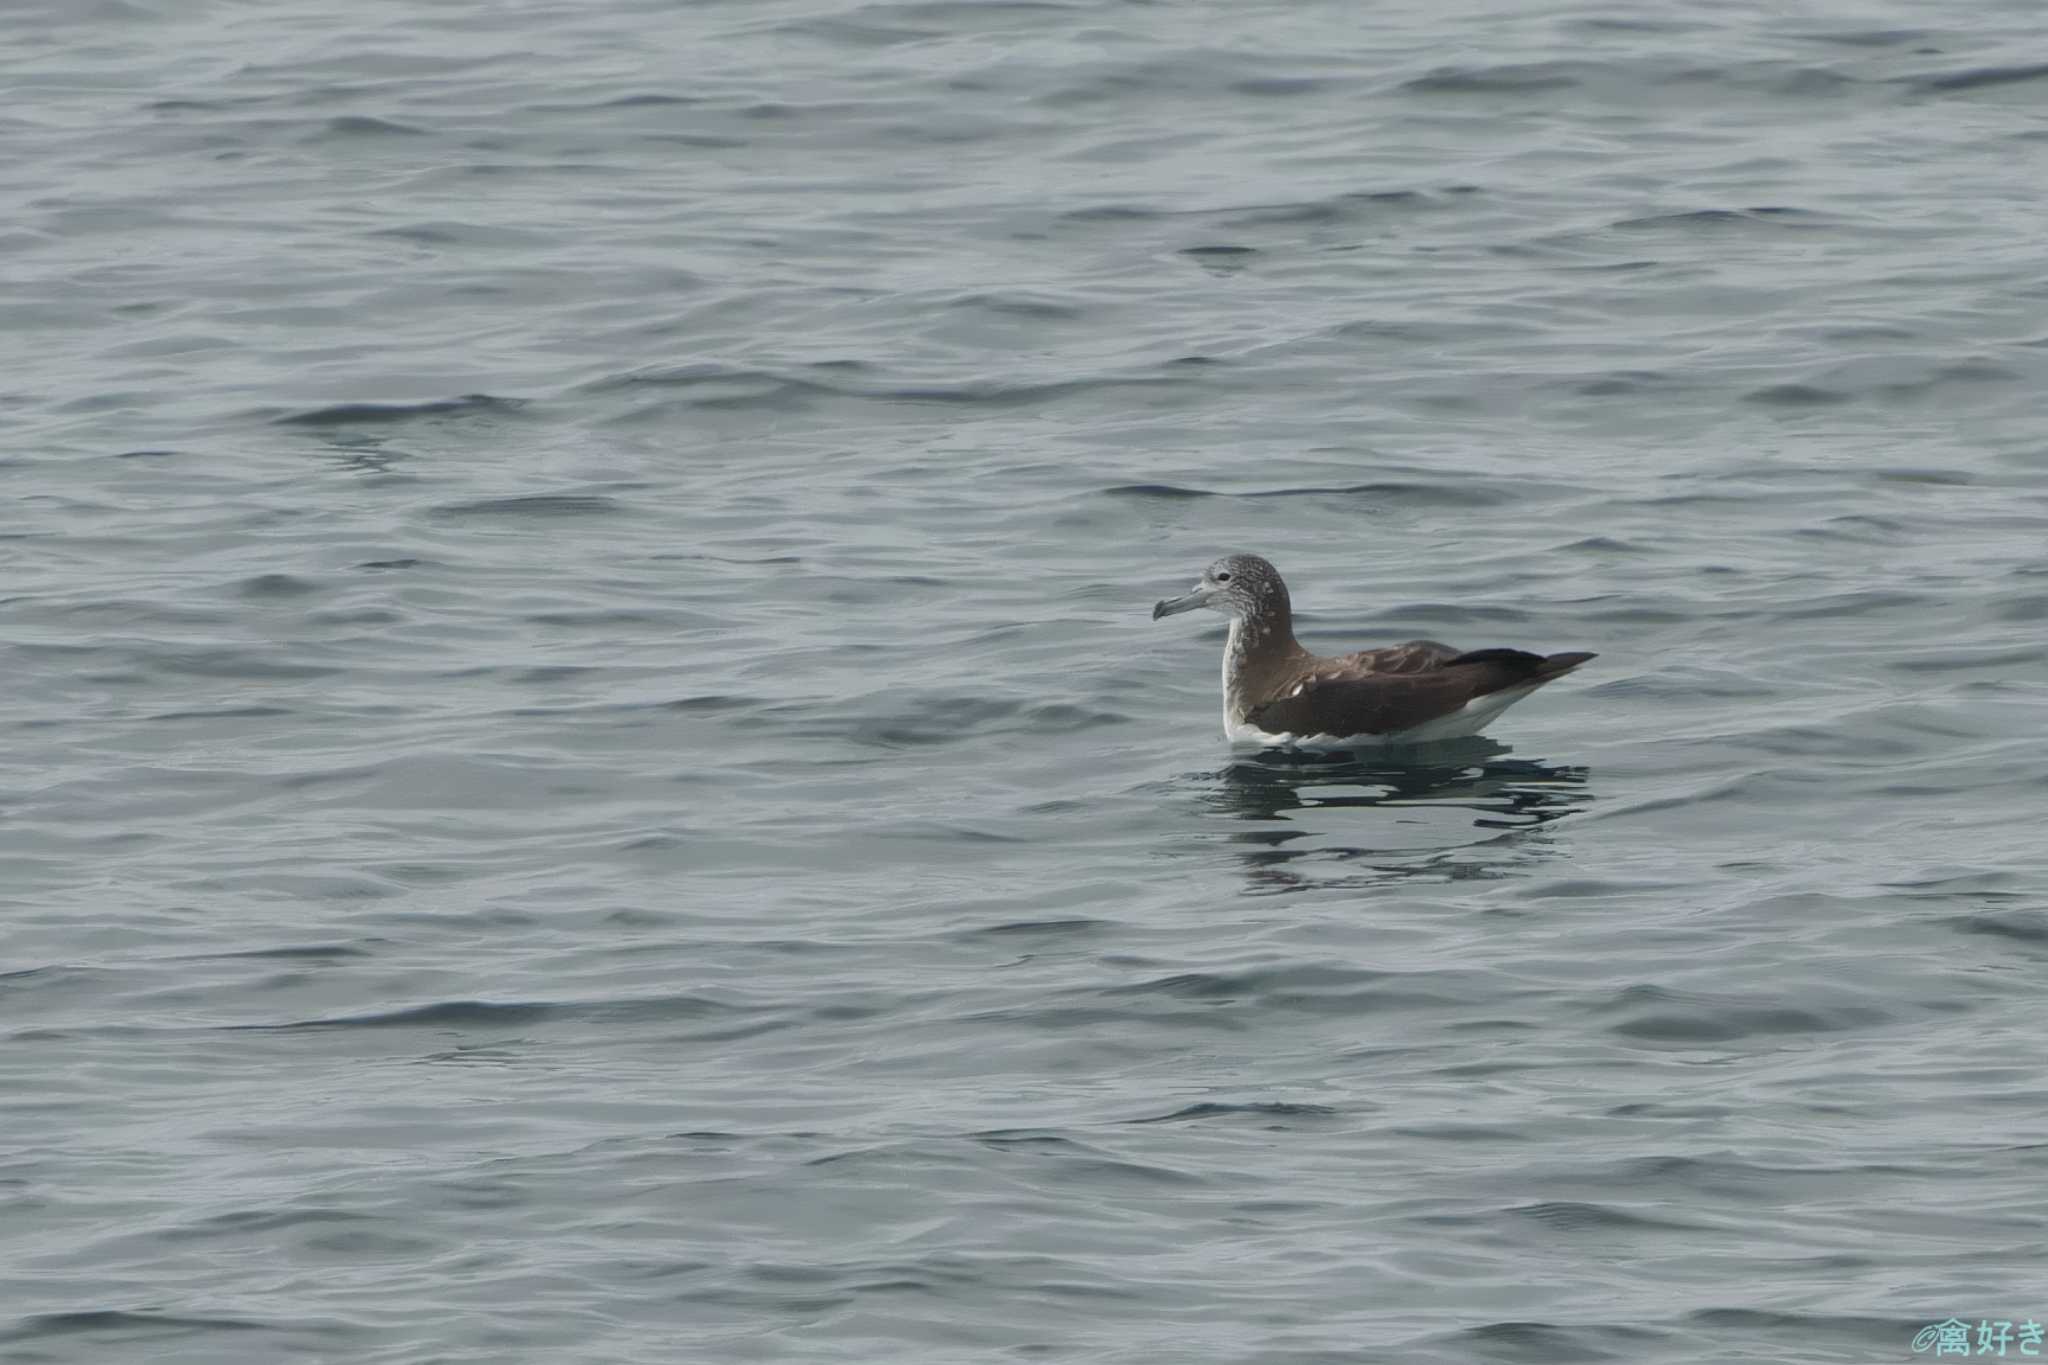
(1261, 649)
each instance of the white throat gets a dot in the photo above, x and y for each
(1233, 665)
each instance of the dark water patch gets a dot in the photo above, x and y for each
(1349, 206)
(1511, 79)
(1471, 494)
(2023, 609)
(1945, 478)
(709, 704)
(1797, 396)
(475, 1014)
(601, 618)
(846, 31)
(1113, 213)
(1036, 307)
(1430, 332)
(1027, 1140)
(392, 563)
(458, 234)
(1654, 1014)
(243, 1221)
(1825, 1333)
(121, 1325)
(270, 586)
(1006, 395)
(244, 665)
(943, 832)
(1991, 884)
(301, 952)
(1163, 492)
(1872, 37)
(546, 675)
(647, 99)
(717, 379)
(1978, 78)
(1415, 494)
(147, 454)
(1083, 1161)
(1622, 383)
(728, 559)
(726, 387)
(1266, 87)
(1606, 545)
(1574, 1216)
(1219, 252)
(368, 414)
(367, 126)
(1773, 215)
(533, 506)
(2021, 660)
(223, 713)
(1273, 1109)
(1609, 23)
(1865, 530)
(1037, 928)
(452, 1014)
(1307, 987)
(1071, 1019)
(1547, 1343)
(2020, 926)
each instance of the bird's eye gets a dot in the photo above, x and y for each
(1223, 578)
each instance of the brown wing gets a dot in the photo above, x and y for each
(1417, 656)
(1342, 699)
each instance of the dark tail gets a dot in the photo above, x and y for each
(1521, 664)
(1557, 665)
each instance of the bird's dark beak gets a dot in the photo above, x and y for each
(1174, 606)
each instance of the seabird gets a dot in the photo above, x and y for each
(1276, 692)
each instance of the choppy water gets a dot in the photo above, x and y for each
(589, 779)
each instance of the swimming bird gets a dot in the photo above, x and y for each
(1276, 692)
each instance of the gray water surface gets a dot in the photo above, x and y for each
(589, 779)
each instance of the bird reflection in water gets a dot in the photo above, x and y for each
(1452, 811)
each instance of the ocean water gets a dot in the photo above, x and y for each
(589, 779)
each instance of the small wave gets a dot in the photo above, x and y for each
(1653, 1014)
(365, 125)
(1032, 928)
(1037, 307)
(1978, 78)
(2022, 926)
(536, 505)
(445, 1014)
(301, 952)
(1772, 214)
(1517, 78)
(1408, 494)
(726, 387)
(1265, 1109)
(1576, 1216)
(1547, 1341)
(267, 585)
(1796, 396)
(115, 1321)
(1311, 987)
(360, 414)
